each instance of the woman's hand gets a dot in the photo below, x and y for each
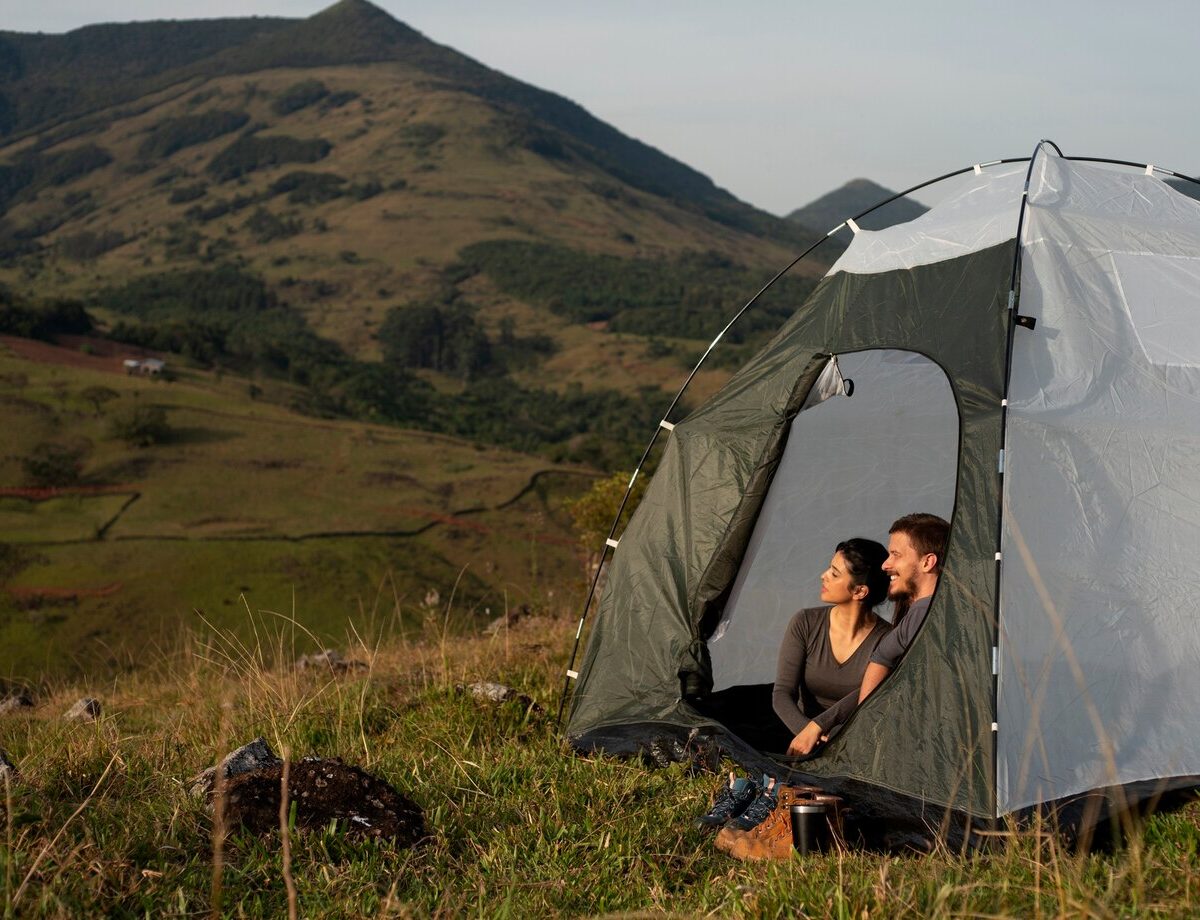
(802, 745)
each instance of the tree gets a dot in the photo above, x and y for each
(98, 395)
(140, 426)
(53, 465)
(593, 512)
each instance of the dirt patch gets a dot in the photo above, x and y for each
(27, 595)
(324, 790)
(107, 356)
(42, 494)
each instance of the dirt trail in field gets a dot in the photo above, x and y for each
(105, 355)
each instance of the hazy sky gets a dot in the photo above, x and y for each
(781, 101)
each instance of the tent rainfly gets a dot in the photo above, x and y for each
(1026, 363)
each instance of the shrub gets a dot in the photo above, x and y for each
(53, 465)
(251, 152)
(308, 187)
(31, 172)
(43, 320)
(98, 395)
(440, 338)
(225, 288)
(339, 99)
(299, 96)
(89, 244)
(267, 226)
(187, 193)
(691, 296)
(593, 512)
(422, 135)
(174, 134)
(140, 426)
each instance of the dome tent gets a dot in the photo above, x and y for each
(1025, 360)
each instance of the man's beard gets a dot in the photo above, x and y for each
(901, 593)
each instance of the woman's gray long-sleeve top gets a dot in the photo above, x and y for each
(810, 683)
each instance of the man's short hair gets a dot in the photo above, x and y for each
(928, 533)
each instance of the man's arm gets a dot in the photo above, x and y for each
(872, 678)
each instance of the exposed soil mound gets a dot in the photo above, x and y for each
(324, 790)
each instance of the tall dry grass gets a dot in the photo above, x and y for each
(101, 823)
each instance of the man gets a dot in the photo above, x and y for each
(916, 550)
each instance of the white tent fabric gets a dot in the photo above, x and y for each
(1099, 645)
(851, 467)
(979, 213)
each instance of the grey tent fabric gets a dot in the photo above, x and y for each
(680, 554)
(1102, 500)
(1098, 491)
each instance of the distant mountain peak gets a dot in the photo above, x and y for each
(349, 32)
(362, 13)
(853, 198)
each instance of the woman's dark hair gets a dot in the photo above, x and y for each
(864, 561)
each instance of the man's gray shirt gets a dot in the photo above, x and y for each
(891, 648)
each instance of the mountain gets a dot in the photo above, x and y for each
(48, 80)
(853, 198)
(354, 168)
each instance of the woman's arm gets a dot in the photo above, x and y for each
(789, 674)
(838, 713)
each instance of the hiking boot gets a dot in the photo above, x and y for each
(732, 799)
(772, 838)
(759, 807)
(756, 812)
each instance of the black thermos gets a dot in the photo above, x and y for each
(810, 827)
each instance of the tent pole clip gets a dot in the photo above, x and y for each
(573, 675)
(1029, 322)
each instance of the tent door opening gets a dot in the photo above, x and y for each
(852, 465)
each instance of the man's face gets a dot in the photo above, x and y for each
(902, 566)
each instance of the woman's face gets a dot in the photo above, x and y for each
(837, 587)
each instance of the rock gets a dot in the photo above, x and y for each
(15, 702)
(498, 693)
(325, 790)
(7, 767)
(330, 659)
(85, 710)
(256, 755)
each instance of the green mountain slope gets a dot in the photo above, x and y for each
(348, 162)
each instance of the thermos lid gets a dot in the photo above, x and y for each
(809, 808)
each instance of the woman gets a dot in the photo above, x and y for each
(825, 650)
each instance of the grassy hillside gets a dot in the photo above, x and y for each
(345, 157)
(335, 231)
(245, 503)
(100, 821)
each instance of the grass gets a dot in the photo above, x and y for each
(250, 498)
(101, 822)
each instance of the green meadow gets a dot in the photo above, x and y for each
(100, 821)
(246, 504)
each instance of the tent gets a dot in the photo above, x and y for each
(1024, 360)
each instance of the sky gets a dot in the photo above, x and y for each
(780, 102)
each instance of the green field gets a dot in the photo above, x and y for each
(100, 822)
(249, 505)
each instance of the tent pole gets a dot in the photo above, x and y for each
(1013, 302)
